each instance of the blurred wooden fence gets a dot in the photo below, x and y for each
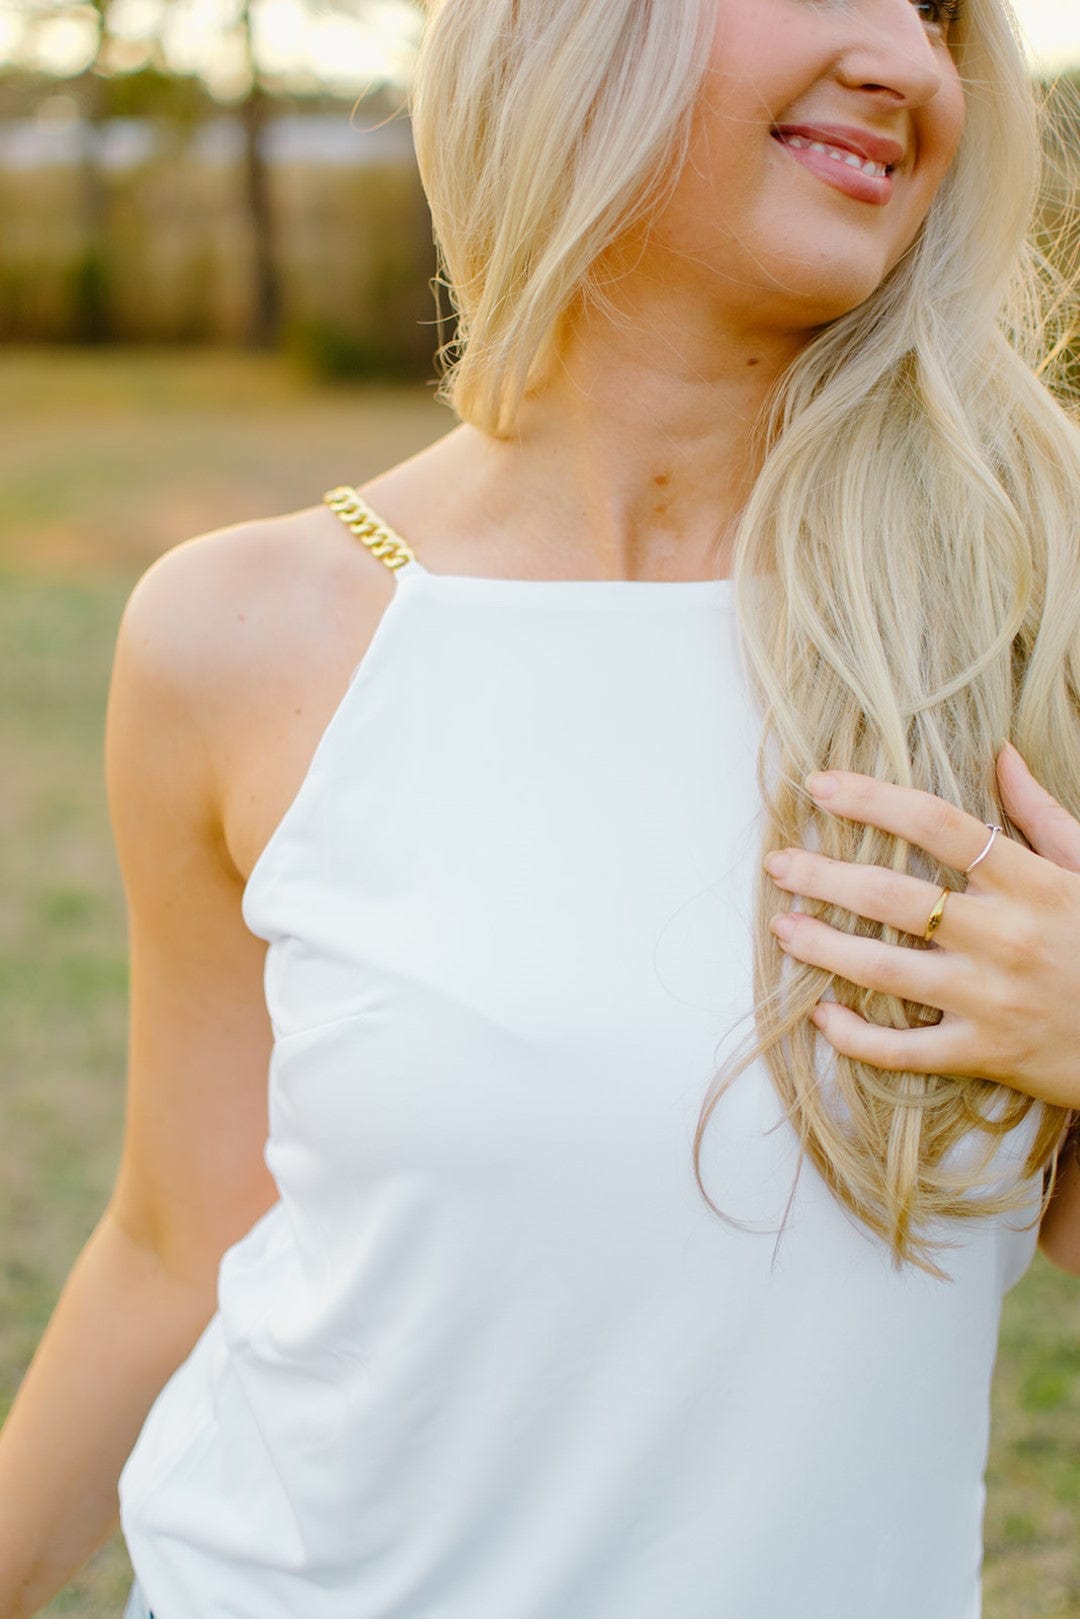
(174, 253)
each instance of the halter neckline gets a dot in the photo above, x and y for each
(384, 542)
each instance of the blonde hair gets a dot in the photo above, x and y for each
(907, 569)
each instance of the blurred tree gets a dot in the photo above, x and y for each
(89, 293)
(266, 301)
(255, 109)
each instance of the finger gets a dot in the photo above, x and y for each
(893, 969)
(1047, 825)
(951, 835)
(893, 897)
(938, 1048)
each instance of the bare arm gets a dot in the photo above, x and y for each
(121, 1326)
(192, 1178)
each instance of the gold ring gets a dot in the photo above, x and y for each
(935, 915)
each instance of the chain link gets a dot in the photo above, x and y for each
(359, 518)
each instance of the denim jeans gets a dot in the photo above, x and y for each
(136, 1604)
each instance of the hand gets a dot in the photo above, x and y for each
(1003, 966)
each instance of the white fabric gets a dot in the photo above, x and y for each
(136, 1607)
(491, 1356)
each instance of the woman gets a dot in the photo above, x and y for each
(549, 1299)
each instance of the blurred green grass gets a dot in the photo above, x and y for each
(107, 458)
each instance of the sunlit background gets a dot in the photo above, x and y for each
(1052, 28)
(305, 44)
(300, 44)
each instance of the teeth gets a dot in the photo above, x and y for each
(876, 170)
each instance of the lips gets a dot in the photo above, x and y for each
(863, 142)
(848, 168)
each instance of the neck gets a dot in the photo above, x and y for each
(636, 457)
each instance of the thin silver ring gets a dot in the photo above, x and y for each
(993, 831)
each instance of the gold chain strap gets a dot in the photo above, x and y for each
(359, 518)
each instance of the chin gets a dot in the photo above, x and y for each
(817, 301)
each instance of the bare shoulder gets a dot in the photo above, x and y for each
(237, 643)
(234, 648)
(218, 605)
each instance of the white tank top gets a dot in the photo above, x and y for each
(491, 1355)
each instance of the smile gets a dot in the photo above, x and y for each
(866, 179)
(799, 143)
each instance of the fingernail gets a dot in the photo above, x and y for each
(783, 926)
(821, 786)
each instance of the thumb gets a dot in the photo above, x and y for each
(1047, 825)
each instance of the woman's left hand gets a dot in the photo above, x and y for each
(1004, 963)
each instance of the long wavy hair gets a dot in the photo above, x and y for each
(907, 569)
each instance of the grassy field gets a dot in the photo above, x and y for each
(105, 460)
